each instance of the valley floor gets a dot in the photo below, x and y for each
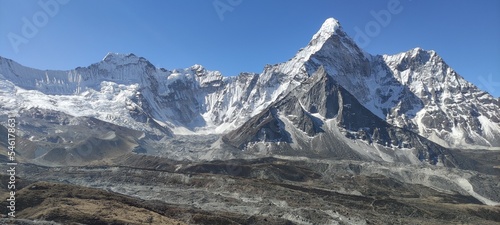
(139, 189)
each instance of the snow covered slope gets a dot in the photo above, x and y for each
(454, 112)
(414, 90)
(322, 119)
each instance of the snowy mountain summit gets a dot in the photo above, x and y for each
(415, 91)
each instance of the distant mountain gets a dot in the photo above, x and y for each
(384, 101)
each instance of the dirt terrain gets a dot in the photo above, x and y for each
(139, 189)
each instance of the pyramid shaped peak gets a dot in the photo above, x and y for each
(329, 27)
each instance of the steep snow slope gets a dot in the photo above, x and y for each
(454, 112)
(321, 119)
(416, 90)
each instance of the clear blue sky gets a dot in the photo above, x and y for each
(179, 33)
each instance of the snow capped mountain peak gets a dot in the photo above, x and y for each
(115, 55)
(198, 69)
(122, 58)
(414, 58)
(452, 108)
(422, 52)
(328, 28)
(416, 49)
(414, 53)
(330, 37)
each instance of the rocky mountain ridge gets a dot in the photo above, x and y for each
(414, 90)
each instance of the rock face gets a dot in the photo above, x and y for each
(57, 139)
(453, 111)
(320, 118)
(414, 90)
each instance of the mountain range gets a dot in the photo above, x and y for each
(331, 98)
(334, 135)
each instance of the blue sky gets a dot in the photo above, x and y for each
(244, 35)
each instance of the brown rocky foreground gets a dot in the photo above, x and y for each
(264, 191)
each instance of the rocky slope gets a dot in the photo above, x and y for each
(260, 191)
(322, 119)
